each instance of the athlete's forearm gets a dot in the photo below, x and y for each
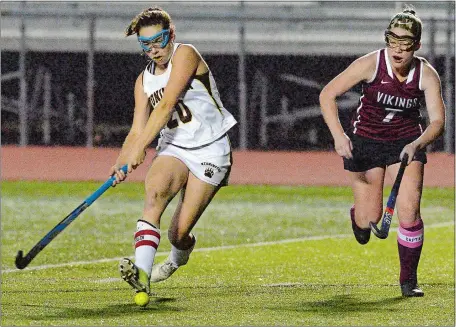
(430, 134)
(330, 115)
(157, 120)
(126, 146)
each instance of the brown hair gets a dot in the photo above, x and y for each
(148, 17)
(407, 20)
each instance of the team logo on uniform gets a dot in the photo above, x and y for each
(209, 172)
(210, 169)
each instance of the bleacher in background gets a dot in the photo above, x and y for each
(68, 70)
(308, 27)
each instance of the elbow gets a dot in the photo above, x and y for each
(133, 134)
(325, 97)
(166, 105)
(164, 109)
(439, 126)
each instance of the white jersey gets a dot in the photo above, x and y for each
(199, 117)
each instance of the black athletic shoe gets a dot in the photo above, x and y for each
(410, 288)
(362, 235)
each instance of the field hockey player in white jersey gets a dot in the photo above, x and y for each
(175, 96)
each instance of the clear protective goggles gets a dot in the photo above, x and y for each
(404, 43)
(157, 41)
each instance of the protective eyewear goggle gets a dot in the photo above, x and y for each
(404, 43)
(157, 41)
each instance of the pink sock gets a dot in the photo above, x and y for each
(410, 243)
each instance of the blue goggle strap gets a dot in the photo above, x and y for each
(144, 39)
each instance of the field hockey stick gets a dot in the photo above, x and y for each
(389, 210)
(22, 262)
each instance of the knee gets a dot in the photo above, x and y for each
(368, 212)
(155, 196)
(408, 209)
(377, 213)
(177, 237)
(408, 214)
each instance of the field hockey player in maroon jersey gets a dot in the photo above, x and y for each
(387, 124)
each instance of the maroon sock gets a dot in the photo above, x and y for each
(409, 243)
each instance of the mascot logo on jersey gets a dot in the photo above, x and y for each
(209, 172)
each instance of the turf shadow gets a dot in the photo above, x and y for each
(109, 311)
(343, 303)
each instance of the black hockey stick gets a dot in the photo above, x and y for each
(22, 262)
(389, 210)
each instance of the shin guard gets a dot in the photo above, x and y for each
(410, 243)
(147, 239)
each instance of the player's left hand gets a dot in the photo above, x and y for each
(410, 149)
(136, 157)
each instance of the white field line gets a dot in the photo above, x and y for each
(215, 248)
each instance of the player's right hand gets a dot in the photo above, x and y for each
(343, 146)
(117, 173)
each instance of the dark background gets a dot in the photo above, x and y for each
(115, 75)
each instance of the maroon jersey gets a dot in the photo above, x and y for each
(389, 109)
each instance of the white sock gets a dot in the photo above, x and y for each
(147, 239)
(180, 257)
